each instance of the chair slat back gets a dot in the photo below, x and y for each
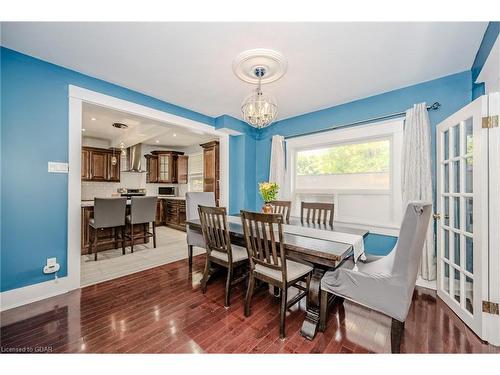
(215, 229)
(317, 213)
(282, 207)
(264, 240)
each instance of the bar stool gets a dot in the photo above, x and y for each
(108, 213)
(142, 211)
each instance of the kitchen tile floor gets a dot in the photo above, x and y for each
(110, 264)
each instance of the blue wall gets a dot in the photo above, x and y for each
(242, 163)
(489, 38)
(34, 130)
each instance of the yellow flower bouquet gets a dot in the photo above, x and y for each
(268, 191)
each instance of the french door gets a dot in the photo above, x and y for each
(463, 190)
(460, 190)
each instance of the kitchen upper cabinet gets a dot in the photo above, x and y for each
(151, 168)
(182, 169)
(98, 165)
(85, 164)
(211, 168)
(166, 167)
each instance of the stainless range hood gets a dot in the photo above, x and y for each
(134, 159)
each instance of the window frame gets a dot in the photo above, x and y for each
(389, 129)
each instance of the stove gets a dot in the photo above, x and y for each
(124, 192)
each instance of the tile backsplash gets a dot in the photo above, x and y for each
(93, 189)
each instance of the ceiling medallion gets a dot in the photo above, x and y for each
(259, 66)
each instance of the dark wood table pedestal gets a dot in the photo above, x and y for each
(311, 321)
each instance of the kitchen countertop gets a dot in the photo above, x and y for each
(90, 202)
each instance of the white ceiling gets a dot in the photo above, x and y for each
(189, 64)
(97, 123)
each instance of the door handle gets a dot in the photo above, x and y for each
(437, 216)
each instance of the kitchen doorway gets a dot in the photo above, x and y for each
(79, 99)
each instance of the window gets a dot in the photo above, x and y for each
(356, 168)
(195, 172)
(363, 165)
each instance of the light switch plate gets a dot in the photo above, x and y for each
(56, 167)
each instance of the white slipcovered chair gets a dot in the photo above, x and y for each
(385, 284)
(194, 238)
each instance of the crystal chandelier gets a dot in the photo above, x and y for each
(259, 109)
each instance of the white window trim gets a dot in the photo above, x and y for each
(392, 129)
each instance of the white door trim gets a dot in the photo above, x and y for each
(77, 96)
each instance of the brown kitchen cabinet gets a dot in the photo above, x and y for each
(97, 165)
(160, 213)
(182, 169)
(211, 168)
(151, 168)
(85, 164)
(175, 213)
(166, 167)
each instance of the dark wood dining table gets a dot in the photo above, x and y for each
(322, 254)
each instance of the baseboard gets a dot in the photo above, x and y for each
(32, 293)
(426, 284)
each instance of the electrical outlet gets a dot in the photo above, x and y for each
(52, 266)
(51, 262)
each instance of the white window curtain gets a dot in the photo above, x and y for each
(277, 170)
(417, 177)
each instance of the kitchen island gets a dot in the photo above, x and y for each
(170, 212)
(87, 213)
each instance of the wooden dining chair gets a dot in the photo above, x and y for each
(282, 207)
(317, 213)
(219, 248)
(268, 262)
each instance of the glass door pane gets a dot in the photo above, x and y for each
(456, 207)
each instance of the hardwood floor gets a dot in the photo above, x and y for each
(162, 310)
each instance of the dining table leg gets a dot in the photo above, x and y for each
(311, 321)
